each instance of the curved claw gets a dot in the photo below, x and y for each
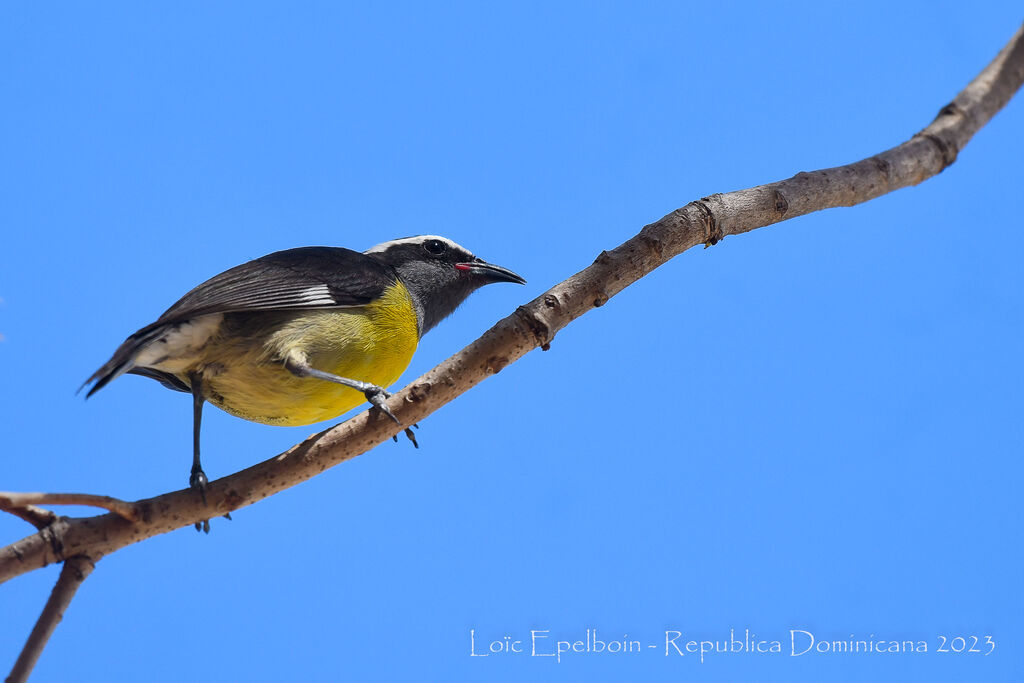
(378, 397)
(411, 436)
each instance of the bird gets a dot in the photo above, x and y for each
(302, 335)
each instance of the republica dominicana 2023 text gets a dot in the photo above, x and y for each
(675, 643)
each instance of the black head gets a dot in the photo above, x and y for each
(438, 273)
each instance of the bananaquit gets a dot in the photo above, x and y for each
(302, 335)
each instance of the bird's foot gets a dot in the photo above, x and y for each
(378, 398)
(198, 482)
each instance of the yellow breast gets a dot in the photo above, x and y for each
(372, 343)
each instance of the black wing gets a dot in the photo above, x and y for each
(307, 277)
(294, 279)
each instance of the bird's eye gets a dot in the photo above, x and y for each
(435, 247)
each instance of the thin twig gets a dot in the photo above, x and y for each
(36, 516)
(10, 500)
(72, 574)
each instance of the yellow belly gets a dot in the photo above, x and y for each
(373, 343)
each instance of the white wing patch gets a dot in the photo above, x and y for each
(319, 295)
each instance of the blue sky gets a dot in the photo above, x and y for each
(813, 427)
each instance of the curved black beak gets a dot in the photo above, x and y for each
(490, 272)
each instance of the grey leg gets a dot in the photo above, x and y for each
(198, 479)
(374, 394)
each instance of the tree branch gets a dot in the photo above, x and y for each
(11, 501)
(72, 574)
(36, 516)
(705, 221)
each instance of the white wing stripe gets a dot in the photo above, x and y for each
(319, 295)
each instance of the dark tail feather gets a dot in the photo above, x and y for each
(123, 361)
(115, 367)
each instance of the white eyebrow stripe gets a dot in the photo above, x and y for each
(418, 239)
